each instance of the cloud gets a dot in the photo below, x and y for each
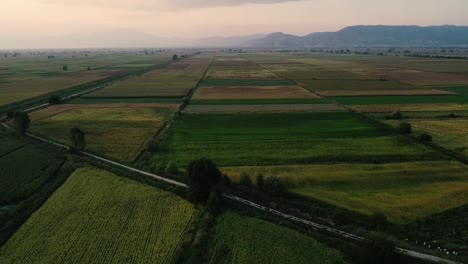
(152, 5)
(216, 3)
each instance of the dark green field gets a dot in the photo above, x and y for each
(274, 139)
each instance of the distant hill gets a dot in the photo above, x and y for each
(370, 36)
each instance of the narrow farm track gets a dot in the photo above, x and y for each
(254, 205)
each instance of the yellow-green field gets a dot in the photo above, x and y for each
(120, 133)
(403, 192)
(98, 217)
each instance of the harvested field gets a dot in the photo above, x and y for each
(384, 92)
(261, 101)
(166, 82)
(320, 75)
(265, 108)
(252, 92)
(398, 99)
(252, 82)
(241, 74)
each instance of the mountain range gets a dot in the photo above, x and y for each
(354, 36)
(370, 36)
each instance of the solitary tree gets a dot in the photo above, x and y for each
(202, 176)
(175, 57)
(54, 99)
(21, 122)
(77, 138)
(425, 138)
(405, 128)
(378, 248)
(396, 115)
(65, 67)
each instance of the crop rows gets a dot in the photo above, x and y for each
(97, 217)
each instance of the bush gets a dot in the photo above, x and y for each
(260, 180)
(425, 138)
(274, 185)
(21, 122)
(54, 99)
(171, 168)
(397, 115)
(152, 145)
(378, 248)
(245, 180)
(404, 128)
(10, 115)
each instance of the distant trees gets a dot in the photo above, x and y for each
(54, 99)
(77, 138)
(202, 177)
(404, 128)
(175, 57)
(21, 122)
(65, 67)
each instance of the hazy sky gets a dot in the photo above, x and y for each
(195, 18)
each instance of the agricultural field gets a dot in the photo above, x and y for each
(242, 239)
(96, 216)
(26, 77)
(244, 82)
(174, 80)
(403, 192)
(262, 108)
(252, 92)
(117, 131)
(447, 132)
(17, 179)
(284, 138)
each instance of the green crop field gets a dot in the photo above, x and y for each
(245, 240)
(99, 217)
(23, 168)
(119, 133)
(285, 138)
(403, 192)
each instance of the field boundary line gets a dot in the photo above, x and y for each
(254, 205)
